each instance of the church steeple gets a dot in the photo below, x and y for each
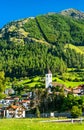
(49, 72)
(48, 79)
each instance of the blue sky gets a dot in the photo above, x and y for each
(16, 9)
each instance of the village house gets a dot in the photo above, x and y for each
(26, 103)
(79, 90)
(7, 101)
(9, 91)
(14, 111)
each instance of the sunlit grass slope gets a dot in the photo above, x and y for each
(34, 124)
(77, 49)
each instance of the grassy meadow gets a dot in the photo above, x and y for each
(35, 124)
(69, 79)
(78, 49)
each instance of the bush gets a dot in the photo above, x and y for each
(76, 112)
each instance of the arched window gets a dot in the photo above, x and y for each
(47, 76)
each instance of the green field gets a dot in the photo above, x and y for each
(32, 82)
(69, 79)
(81, 48)
(67, 83)
(78, 49)
(35, 124)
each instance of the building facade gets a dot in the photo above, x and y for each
(48, 79)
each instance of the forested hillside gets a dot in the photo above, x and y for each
(29, 46)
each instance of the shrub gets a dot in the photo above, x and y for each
(76, 112)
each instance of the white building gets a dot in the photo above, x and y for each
(48, 79)
(15, 112)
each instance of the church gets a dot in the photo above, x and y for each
(48, 79)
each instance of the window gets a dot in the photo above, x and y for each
(47, 76)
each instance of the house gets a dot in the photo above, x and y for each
(1, 113)
(67, 91)
(14, 111)
(9, 91)
(75, 91)
(79, 90)
(8, 101)
(26, 103)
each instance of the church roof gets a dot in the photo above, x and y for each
(49, 71)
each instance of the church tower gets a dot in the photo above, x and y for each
(48, 79)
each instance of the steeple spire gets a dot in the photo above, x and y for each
(49, 71)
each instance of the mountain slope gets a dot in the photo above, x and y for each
(73, 13)
(29, 46)
(21, 31)
(49, 28)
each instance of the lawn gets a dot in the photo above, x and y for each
(78, 49)
(31, 82)
(35, 124)
(69, 79)
(67, 83)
